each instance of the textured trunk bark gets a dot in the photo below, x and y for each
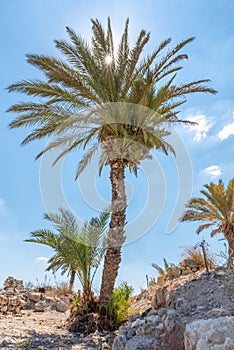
(87, 293)
(72, 279)
(229, 235)
(230, 252)
(116, 235)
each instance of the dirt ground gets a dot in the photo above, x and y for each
(42, 331)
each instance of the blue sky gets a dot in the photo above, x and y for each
(30, 27)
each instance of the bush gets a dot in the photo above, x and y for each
(117, 309)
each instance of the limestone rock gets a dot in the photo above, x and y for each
(161, 280)
(41, 306)
(159, 299)
(13, 283)
(34, 296)
(61, 306)
(132, 318)
(211, 334)
(123, 330)
(173, 272)
(13, 299)
(137, 323)
(23, 304)
(139, 343)
(3, 300)
(119, 343)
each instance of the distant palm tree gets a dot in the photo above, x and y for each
(76, 101)
(216, 210)
(163, 271)
(78, 250)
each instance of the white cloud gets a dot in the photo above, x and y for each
(213, 171)
(227, 131)
(202, 127)
(42, 258)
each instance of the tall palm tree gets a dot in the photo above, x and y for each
(78, 250)
(88, 99)
(216, 210)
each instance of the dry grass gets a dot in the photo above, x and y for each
(196, 255)
(59, 290)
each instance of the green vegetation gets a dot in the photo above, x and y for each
(78, 250)
(161, 270)
(78, 93)
(23, 344)
(117, 308)
(215, 209)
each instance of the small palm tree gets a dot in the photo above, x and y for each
(163, 271)
(216, 210)
(76, 101)
(78, 250)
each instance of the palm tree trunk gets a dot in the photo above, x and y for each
(88, 294)
(116, 235)
(230, 253)
(229, 235)
(72, 280)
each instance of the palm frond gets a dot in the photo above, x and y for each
(86, 159)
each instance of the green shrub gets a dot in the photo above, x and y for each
(23, 344)
(117, 309)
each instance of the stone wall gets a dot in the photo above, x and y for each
(185, 267)
(14, 298)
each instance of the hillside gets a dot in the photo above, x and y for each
(193, 312)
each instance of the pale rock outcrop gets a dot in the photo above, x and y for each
(14, 298)
(201, 303)
(211, 334)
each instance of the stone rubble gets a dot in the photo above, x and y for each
(33, 316)
(173, 311)
(14, 298)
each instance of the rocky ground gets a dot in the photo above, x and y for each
(194, 311)
(36, 320)
(45, 331)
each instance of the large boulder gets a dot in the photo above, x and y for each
(34, 296)
(61, 306)
(41, 306)
(211, 334)
(159, 298)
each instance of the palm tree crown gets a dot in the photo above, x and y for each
(216, 210)
(74, 91)
(78, 250)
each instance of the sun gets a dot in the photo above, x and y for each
(108, 59)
